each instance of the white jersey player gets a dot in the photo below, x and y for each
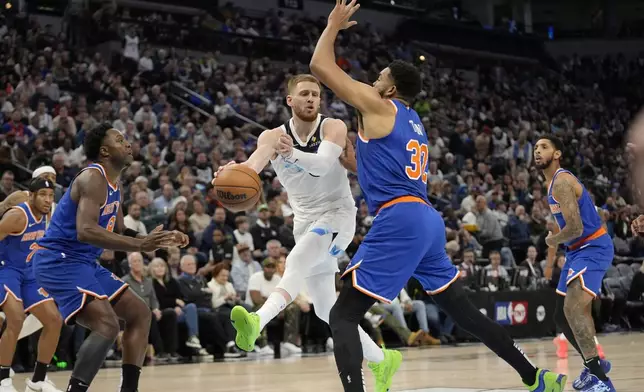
(307, 155)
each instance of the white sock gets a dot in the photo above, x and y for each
(370, 349)
(271, 308)
(322, 292)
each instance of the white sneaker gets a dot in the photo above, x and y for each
(6, 385)
(291, 348)
(41, 386)
(329, 344)
(203, 352)
(193, 342)
(266, 350)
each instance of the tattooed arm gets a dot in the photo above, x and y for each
(565, 191)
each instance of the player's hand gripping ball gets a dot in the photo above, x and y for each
(237, 187)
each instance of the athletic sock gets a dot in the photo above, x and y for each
(594, 365)
(40, 371)
(274, 304)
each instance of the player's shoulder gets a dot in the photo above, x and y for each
(566, 180)
(15, 214)
(334, 124)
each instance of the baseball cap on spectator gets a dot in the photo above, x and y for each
(268, 262)
(262, 207)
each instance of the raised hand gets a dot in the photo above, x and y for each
(285, 146)
(342, 12)
(157, 240)
(221, 168)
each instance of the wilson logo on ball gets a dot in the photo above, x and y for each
(230, 196)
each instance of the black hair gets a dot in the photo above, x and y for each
(94, 141)
(555, 141)
(406, 79)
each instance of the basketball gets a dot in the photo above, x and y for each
(238, 188)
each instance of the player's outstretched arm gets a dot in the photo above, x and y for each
(90, 191)
(329, 151)
(266, 149)
(563, 190)
(12, 223)
(323, 65)
(13, 200)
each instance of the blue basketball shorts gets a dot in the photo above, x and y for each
(589, 264)
(406, 239)
(21, 284)
(70, 281)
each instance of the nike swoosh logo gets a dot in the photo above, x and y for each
(313, 175)
(582, 247)
(33, 224)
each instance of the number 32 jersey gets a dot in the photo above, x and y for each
(396, 165)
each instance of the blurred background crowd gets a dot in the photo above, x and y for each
(192, 88)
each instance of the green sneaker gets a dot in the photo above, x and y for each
(548, 381)
(385, 370)
(247, 326)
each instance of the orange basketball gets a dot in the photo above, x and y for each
(238, 188)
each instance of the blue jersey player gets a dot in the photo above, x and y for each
(407, 237)
(589, 253)
(88, 218)
(20, 227)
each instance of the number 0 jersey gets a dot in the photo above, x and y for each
(62, 233)
(394, 166)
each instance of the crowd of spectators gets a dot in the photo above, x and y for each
(481, 125)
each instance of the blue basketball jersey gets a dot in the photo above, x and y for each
(589, 217)
(61, 235)
(17, 248)
(396, 165)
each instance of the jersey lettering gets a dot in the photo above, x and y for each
(111, 223)
(419, 159)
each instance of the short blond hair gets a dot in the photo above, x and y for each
(297, 79)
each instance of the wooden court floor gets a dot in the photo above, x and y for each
(470, 368)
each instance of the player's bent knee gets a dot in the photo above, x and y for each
(14, 321)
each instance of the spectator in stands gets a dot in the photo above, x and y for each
(219, 222)
(133, 219)
(108, 261)
(179, 221)
(263, 231)
(163, 328)
(220, 253)
(286, 236)
(495, 276)
(6, 185)
(490, 233)
(169, 296)
(241, 235)
(195, 290)
(243, 269)
(534, 268)
(199, 220)
(164, 201)
(518, 232)
(470, 273)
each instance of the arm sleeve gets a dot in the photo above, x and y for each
(319, 163)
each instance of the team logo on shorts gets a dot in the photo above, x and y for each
(42, 292)
(571, 272)
(116, 278)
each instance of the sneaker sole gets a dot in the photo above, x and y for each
(241, 323)
(578, 387)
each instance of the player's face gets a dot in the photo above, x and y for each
(544, 154)
(305, 101)
(119, 149)
(385, 84)
(43, 199)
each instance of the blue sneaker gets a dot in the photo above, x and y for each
(580, 382)
(596, 385)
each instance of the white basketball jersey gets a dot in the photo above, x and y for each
(310, 196)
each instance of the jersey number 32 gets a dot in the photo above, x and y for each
(419, 159)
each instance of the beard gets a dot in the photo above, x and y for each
(306, 115)
(544, 164)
